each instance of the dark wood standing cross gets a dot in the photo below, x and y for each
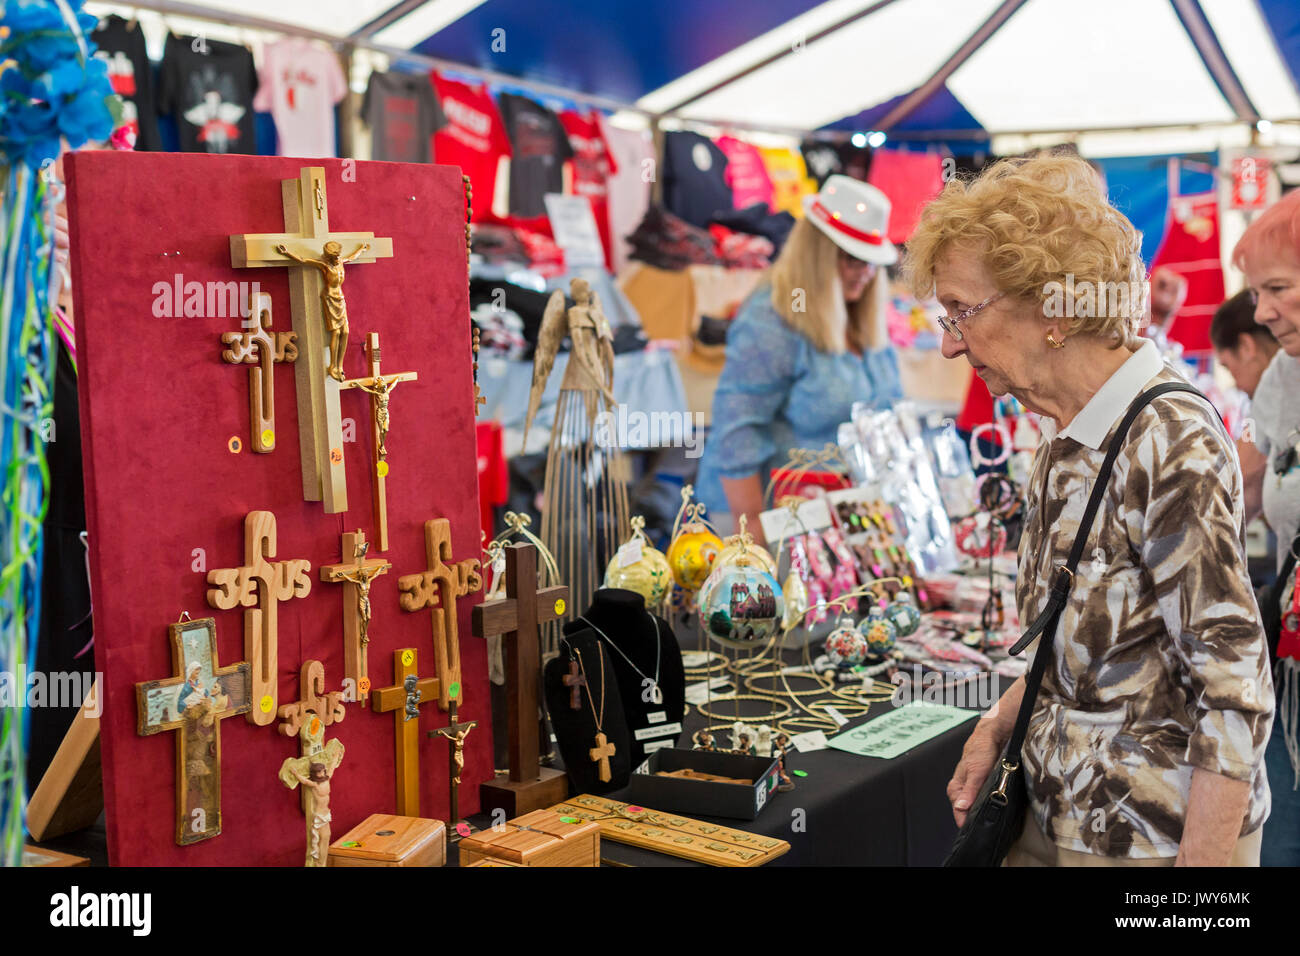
(194, 703)
(527, 786)
(403, 699)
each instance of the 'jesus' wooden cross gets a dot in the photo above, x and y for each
(261, 348)
(316, 711)
(404, 699)
(379, 387)
(527, 785)
(304, 241)
(193, 704)
(314, 768)
(438, 588)
(357, 574)
(260, 585)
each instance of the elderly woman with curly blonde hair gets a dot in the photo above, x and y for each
(1145, 742)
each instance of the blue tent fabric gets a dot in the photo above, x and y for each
(1283, 19)
(940, 111)
(1139, 188)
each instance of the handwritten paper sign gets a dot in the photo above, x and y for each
(900, 730)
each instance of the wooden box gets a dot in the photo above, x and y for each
(540, 838)
(383, 839)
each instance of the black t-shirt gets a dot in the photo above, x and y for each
(695, 178)
(822, 159)
(210, 94)
(403, 113)
(121, 46)
(540, 147)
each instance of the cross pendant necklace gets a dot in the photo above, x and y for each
(648, 683)
(603, 750)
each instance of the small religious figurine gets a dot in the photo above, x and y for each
(780, 747)
(703, 740)
(362, 575)
(318, 817)
(379, 387)
(336, 310)
(457, 741)
(742, 739)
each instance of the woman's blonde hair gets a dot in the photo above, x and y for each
(807, 293)
(1034, 222)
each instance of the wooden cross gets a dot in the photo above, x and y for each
(316, 708)
(261, 349)
(455, 733)
(194, 703)
(357, 574)
(438, 588)
(260, 586)
(379, 387)
(574, 680)
(404, 699)
(600, 754)
(306, 223)
(517, 617)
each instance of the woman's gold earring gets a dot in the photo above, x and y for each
(1051, 340)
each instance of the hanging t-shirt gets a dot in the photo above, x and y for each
(789, 178)
(746, 174)
(592, 166)
(403, 114)
(632, 158)
(1191, 247)
(540, 148)
(301, 83)
(473, 139)
(210, 94)
(694, 178)
(822, 159)
(121, 46)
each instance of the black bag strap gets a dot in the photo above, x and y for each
(1045, 624)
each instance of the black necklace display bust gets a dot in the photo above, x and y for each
(647, 663)
(599, 711)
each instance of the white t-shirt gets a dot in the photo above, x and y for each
(1276, 410)
(299, 84)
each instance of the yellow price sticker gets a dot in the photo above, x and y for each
(268, 437)
(267, 703)
(381, 469)
(559, 606)
(408, 658)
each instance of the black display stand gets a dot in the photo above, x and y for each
(575, 730)
(626, 623)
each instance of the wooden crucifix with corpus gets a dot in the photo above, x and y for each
(527, 785)
(307, 718)
(314, 768)
(403, 700)
(193, 703)
(315, 258)
(357, 574)
(379, 388)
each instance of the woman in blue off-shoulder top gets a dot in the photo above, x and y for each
(805, 345)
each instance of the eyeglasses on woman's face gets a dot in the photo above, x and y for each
(952, 323)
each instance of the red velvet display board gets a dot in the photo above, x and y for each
(166, 498)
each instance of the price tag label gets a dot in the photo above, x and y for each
(835, 715)
(630, 553)
(657, 717)
(699, 693)
(807, 743)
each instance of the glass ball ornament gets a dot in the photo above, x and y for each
(846, 646)
(649, 576)
(904, 614)
(741, 605)
(879, 632)
(735, 549)
(691, 555)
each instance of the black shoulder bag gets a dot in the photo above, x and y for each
(995, 820)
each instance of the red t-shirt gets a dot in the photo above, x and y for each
(474, 139)
(593, 164)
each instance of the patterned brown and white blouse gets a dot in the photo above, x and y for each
(1159, 662)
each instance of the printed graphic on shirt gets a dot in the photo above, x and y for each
(214, 116)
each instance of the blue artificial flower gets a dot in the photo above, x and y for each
(64, 80)
(28, 16)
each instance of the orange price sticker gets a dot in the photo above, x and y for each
(364, 685)
(235, 445)
(336, 455)
(314, 726)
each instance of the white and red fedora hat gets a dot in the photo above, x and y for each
(855, 215)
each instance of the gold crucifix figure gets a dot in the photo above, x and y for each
(331, 265)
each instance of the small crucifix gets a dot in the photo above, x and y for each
(356, 575)
(379, 388)
(438, 588)
(455, 733)
(260, 586)
(575, 680)
(600, 755)
(315, 257)
(261, 348)
(527, 785)
(193, 704)
(404, 699)
(316, 707)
